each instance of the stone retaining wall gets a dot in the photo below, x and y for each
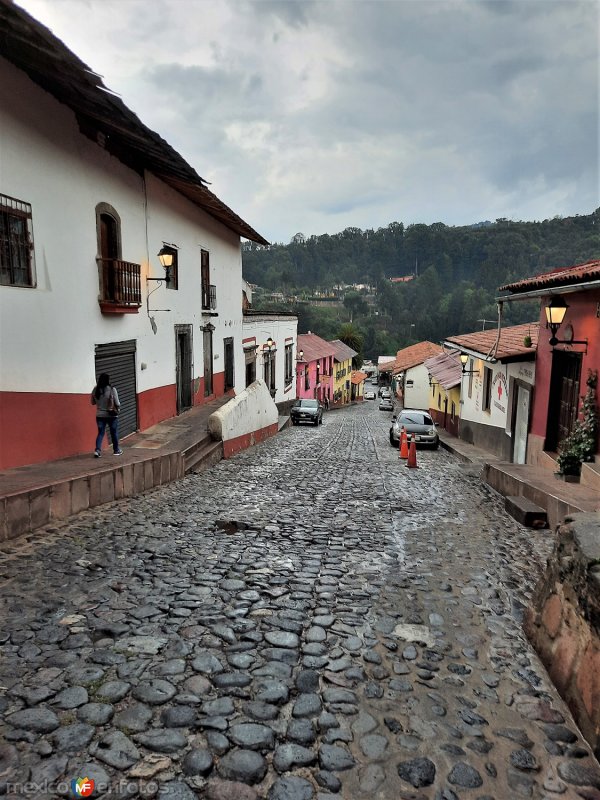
(564, 622)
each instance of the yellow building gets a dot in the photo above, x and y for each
(445, 372)
(342, 372)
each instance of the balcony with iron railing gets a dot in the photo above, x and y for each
(120, 286)
(209, 297)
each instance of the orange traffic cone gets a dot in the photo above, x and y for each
(412, 454)
(403, 444)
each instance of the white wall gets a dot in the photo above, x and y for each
(252, 410)
(417, 395)
(283, 330)
(472, 407)
(47, 162)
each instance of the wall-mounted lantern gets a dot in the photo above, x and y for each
(463, 360)
(555, 314)
(165, 255)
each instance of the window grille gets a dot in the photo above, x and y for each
(16, 243)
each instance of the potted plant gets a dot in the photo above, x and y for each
(580, 444)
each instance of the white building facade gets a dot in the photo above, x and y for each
(497, 390)
(270, 343)
(84, 211)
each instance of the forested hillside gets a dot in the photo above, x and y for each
(457, 269)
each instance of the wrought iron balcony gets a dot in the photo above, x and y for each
(209, 297)
(120, 286)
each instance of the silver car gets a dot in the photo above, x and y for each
(417, 423)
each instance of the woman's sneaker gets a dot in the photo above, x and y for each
(118, 453)
(97, 454)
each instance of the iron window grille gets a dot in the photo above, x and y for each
(16, 243)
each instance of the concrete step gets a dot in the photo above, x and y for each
(202, 455)
(590, 475)
(526, 512)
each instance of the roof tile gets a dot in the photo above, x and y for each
(510, 344)
(314, 347)
(413, 356)
(560, 276)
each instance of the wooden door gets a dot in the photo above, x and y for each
(563, 403)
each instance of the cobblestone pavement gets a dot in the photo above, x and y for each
(310, 619)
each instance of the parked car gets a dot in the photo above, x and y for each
(385, 392)
(369, 395)
(307, 411)
(417, 423)
(386, 404)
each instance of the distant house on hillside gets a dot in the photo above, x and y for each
(497, 387)
(402, 279)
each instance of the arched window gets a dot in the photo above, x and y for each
(119, 280)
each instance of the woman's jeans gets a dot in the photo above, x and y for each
(113, 426)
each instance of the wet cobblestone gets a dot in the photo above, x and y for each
(309, 620)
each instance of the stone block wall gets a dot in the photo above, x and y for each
(563, 623)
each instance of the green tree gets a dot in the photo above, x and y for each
(350, 336)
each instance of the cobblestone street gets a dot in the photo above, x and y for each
(309, 619)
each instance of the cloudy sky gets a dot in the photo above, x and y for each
(316, 116)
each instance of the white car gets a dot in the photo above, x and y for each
(369, 395)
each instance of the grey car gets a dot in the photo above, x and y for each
(417, 423)
(386, 404)
(307, 411)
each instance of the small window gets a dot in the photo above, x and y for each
(250, 360)
(487, 389)
(16, 243)
(269, 370)
(209, 296)
(229, 363)
(289, 364)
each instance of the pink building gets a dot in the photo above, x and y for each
(314, 368)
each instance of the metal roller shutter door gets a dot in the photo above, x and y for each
(118, 360)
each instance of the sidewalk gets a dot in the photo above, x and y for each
(537, 484)
(39, 494)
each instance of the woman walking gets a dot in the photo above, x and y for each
(106, 400)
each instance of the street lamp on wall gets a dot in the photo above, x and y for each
(463, 360)
(555, 314)
(165, 255)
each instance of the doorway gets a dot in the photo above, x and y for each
(521, 426)
(207, 346)
(563, 403)
(118, 360)
(184, 366)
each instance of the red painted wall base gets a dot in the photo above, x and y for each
(233, 446)
(36, 427)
